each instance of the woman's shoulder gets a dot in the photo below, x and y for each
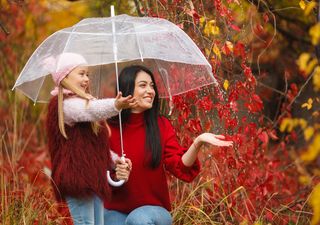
(164, 121)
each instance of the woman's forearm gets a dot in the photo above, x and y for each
(190, 156)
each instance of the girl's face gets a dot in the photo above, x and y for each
(79, 78)
(144, 92)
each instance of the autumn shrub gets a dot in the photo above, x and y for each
(270, 176)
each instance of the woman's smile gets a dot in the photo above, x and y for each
(144, 92)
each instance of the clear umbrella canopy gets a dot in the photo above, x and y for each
(178, 64)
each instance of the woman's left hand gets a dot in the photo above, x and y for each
(212, 139)
(123, 169)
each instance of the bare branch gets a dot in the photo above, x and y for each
(4, 29)
(136, 2)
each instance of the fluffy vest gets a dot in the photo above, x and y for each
(79, 163)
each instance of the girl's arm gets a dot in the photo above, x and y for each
(191, 154)
(81, 110)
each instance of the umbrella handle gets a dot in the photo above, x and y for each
(112, 182)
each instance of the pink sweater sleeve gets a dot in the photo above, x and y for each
(173, 153)
(80, 110)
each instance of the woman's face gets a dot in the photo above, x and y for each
(79, 78)
(144, 92)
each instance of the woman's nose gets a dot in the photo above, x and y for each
(150, 89)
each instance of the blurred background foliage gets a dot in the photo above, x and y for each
(265, 55)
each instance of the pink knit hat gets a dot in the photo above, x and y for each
(63, 64)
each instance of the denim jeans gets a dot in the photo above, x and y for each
(88, 211)
(144, 215)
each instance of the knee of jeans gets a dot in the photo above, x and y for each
(138, 220)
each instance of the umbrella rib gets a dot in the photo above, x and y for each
(108, 34)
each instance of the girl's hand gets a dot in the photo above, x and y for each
(123, 169)
(212, 139)
(124, 102)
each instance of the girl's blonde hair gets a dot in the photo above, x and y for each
(66, 84)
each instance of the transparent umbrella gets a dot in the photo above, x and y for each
(108, 44)
(178, 64)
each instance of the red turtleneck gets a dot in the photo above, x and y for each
(147, 186)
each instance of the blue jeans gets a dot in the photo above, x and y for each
(144, 215)
(88, 211)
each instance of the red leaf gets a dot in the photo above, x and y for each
(263, 136)
(239, 50)
(272, 134)
(265, 18)
(235, 27)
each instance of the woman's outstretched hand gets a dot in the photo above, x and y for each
(125, 102)
(123, 169)
(213, 139)
(190, 156)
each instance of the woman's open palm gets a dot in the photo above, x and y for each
(214, 139)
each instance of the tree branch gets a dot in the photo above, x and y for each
(284, 32)
(136, 2)
(4, 29)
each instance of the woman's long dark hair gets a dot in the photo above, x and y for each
(127, 80)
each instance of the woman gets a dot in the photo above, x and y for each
(151, 145)
(78, 139)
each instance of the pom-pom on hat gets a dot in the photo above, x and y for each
(63, 64)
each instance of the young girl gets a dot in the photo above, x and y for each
(78, 142)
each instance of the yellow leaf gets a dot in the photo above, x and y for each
(308, 104)
(226, 85)
(301, 122)
(302, 4)
(316, 79)
(211, 28)
(308, 133)
(215, 30)
(207, 51)
(286, 122)
(216, 51)
(311, 66)
(304, 180)
(229, 45)
(315, 33)
(303, 60)
(314, 202)
(313, 150)
(202, 20)
(306, 64)
(309, 7)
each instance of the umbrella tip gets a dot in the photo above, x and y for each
(112, 10)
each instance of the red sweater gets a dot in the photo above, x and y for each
(79, 163)
(147, 186)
